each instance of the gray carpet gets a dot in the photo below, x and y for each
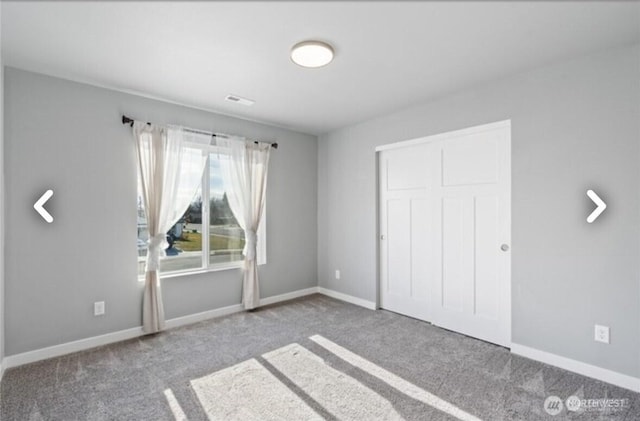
(311, 358)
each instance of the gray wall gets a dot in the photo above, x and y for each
(68, 137)
(575, 126)
(2, 202)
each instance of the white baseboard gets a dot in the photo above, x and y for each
(288, 296)
(236, 308)
(84, 344)
(348, 298)
(69, 347)
(205, 315)
(122, 335)
(598, 373)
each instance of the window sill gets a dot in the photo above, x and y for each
(200, 271)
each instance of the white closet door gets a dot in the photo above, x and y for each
(444, 221)
(406, 203)
(472, 293)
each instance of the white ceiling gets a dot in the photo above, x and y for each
(389, 55)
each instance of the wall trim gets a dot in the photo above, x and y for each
(598, 373)
(70, 347)
(122, 335)
(288, 296)
(348, 298)
(235, 308)
(205, 315)
(443, 136)
(16, 360)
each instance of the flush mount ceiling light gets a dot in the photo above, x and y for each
(312, 54)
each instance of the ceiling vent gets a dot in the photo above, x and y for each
(239, 100)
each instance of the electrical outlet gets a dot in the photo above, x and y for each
(98, 308)
(602, 334)
(337, 274)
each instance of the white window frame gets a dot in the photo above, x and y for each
(206, 266)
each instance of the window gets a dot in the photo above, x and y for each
(208, 217)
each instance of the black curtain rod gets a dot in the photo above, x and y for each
(130, 121)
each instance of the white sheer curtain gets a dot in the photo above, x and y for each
(170, 172)
(245, 176)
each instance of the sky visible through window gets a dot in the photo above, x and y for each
(216, 182)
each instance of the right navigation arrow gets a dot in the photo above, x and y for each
(599, 202)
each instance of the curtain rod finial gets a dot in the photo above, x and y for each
(127, 120)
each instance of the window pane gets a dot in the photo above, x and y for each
(185, 240)
(226, 238)
(143, 235)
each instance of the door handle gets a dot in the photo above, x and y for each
(504, 247)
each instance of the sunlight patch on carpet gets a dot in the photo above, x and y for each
(248, 391)
(175, 407)
(341, 395)
(394, 381)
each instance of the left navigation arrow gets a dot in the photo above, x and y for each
(39, 206)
